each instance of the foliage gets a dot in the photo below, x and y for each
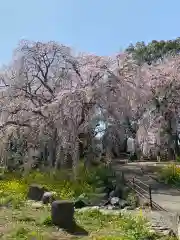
(119, 226)
(153, 51)
(28, 224)
(170, 174)
(47, 221)
(26, 221)
(14, 187)
(178, 159)
(51, 97)
(12, 192)
(132, 199)
(56, 99)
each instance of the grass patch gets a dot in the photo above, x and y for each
(14, 186)
(12, 192)
(114, 226)
(21, 219)
(29, 223)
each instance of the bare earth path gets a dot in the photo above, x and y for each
(164, 195)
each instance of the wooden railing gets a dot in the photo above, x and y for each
(143, 190)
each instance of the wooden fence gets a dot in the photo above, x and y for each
(144, 191)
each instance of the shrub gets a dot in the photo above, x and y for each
(132, 199)
(170, 174)
(92, 174)
(14, 187)
(12, 192)
(178, 159)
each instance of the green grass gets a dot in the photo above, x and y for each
(35, 223)
(115, 227)
(21, 219)
(14, 187)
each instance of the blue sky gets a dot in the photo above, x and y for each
(98, 26)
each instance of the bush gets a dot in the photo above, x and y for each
(132, 199)
(12, 192)
(177, 158)
(170, 174)
(91, 175)
(14, 186)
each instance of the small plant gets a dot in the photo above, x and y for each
(47, 221)
(178, 159)
(20, 234)
(132, 200)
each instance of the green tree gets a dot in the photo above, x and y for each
(153, 51)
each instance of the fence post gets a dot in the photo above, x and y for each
(122, 177)
(150, 197)
(133, 183)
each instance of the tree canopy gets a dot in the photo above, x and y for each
(52, 99)
(153, 51)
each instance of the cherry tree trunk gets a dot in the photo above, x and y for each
(53, 148)
(75, 159)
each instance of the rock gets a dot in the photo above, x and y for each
(111, 194)
(110, 207)
(80, 204)
(114, 201)
(48, 197)
(36, 192)
(37, 205)
(120, 191)
(122, 203)
(117, 202)
(62, 214)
